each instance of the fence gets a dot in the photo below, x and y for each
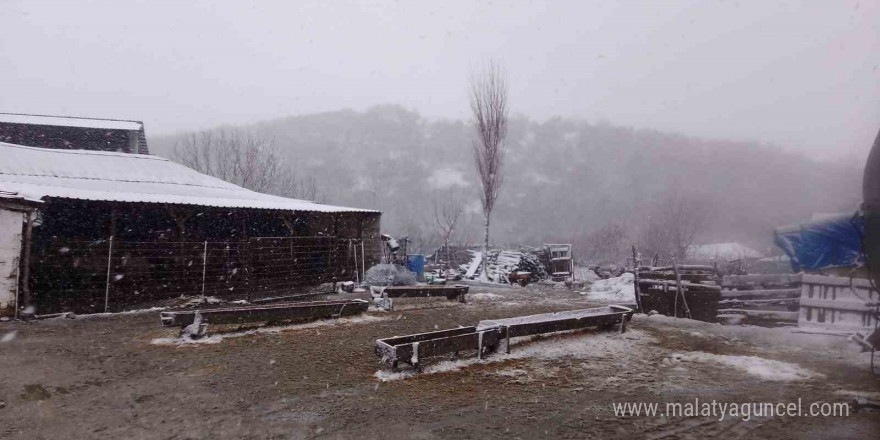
(112, 274)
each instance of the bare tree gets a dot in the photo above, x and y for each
(608, 243)
(673, 225)
(244, 158)
(489, 106)
(446, 215)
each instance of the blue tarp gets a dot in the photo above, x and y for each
(830, 242)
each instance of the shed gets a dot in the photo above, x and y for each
(112, 229)
(66, 132)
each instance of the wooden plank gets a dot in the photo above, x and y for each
(756, 294)
(472, 269)
(692, 286)
(688, 267)
(762, 314)
(657, 275)
(728, 303)
(732, 281)
(826, 280)
(681, 290)
(856, 306)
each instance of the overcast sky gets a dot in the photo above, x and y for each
(804, 75)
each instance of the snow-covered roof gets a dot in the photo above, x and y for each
(37, 173)
(67, 121)
(722, 251)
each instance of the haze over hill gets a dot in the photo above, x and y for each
(564, 177)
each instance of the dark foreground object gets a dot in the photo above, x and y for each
(485, 337)
(298, 311)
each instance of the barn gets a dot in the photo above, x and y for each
(93, 231)
(74, 133)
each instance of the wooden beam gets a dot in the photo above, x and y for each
(731, 303)
(756, 294)
(760, 280)
(681, 291)
(685, 284)
(762, 314)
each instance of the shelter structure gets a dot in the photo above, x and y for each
(73, 133)
(103, 231)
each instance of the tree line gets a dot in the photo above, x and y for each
(600, 186)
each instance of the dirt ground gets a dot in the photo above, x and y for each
(104, 377)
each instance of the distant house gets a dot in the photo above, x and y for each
(69, 133)
(90, 231)
(722, 252)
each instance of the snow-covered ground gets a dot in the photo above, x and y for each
(765, 369)
(618, 289)
(606, 344)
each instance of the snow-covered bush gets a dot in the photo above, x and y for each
(389, 275)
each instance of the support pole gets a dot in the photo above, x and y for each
(26, 262)
(204, 267)
(107, 283)
(636, 290)
(680, 291)
(363, 263)
(357, 273)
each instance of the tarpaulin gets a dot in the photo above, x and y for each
(833, 241)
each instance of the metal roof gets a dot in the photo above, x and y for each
(69, 121)
(37, 173)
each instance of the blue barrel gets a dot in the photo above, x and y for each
(416, 264)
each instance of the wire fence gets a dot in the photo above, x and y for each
(111, 274)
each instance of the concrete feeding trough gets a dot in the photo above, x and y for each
(382, 296)
(412, 349)
(601, 317)
(284, 312)
(485, 337)
(450, 292)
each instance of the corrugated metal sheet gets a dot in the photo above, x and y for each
(37, 173)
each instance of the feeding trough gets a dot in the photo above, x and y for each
(284, 312)
(450, 292)
(601, 317)
(485, 337)
(382, 295)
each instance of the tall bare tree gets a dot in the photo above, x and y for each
(446, 215)
(673, 225)
(244, 158)
(489, 106)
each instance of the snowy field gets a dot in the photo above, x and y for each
(124, 376)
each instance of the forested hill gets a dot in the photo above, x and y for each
(563, 177)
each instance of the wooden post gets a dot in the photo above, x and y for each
(204, 266)
(26, 262)
(680, 289)
(636, 289)
(107, 282)
(363, 263)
